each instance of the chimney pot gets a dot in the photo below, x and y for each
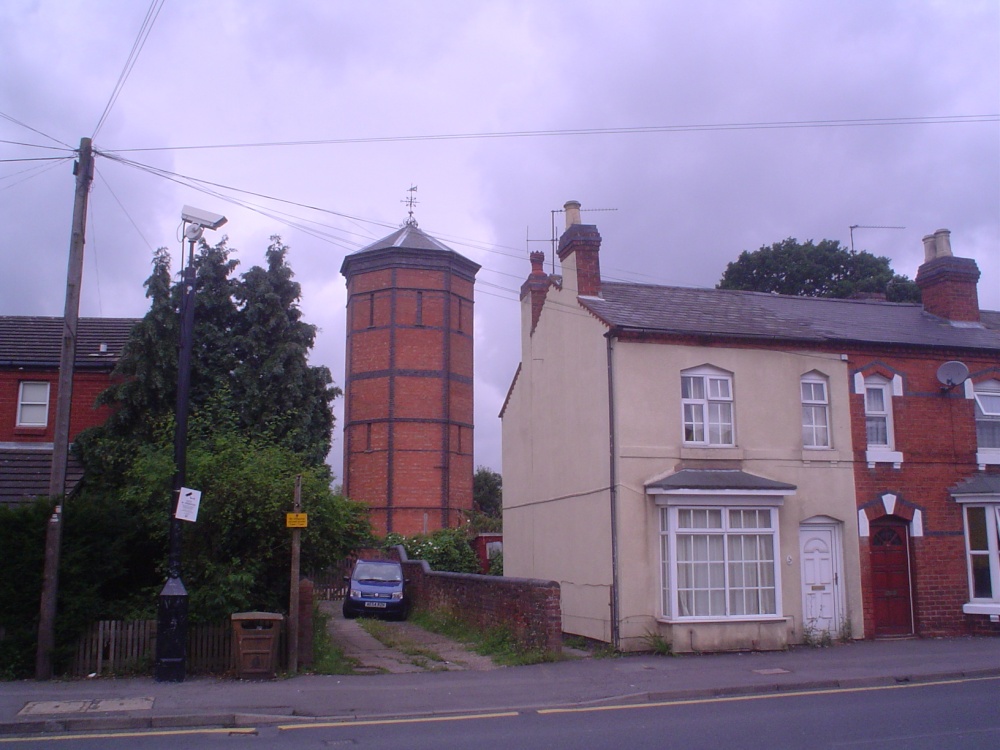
(572, 209)
(537, 259)
(930, 249)
(942, 243)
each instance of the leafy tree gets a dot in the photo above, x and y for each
(22, 534)
(817, 270)
(235, 557)
(444, 549)
(260, 416)
(487, 492)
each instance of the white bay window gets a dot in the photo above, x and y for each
(719, 562)
(982, 545)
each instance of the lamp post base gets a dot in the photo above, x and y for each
(171, 632)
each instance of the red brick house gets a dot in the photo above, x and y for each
(408, 410)
(927, 459)
(29, 375)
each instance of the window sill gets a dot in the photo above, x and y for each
(882, 456)
(711, 452)
(711, 620)
(988, 457)
(981, 608)
(826, 455)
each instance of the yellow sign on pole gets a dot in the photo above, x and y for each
(297, 520)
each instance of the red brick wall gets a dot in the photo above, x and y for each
(936, 434)
(530, 608)
(948, 287)
(86, 388)
(409, 397)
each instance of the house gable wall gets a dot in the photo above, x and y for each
(556, 461)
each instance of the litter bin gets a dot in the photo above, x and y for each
(255, 643)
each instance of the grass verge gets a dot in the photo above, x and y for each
(328, 658)
(498, 643)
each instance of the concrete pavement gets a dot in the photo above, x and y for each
(107, 704)
(413, 649)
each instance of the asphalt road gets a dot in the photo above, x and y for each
(945, 715)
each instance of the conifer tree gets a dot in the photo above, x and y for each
(250, 357)
(274, 387)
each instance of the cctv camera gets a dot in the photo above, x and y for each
(202, 218)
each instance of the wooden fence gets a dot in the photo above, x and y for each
(329, 584)
(128, 647)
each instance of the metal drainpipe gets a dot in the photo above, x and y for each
(613, 477)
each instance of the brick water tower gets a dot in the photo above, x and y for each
(408, 415)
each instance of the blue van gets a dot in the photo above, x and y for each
(377, 587)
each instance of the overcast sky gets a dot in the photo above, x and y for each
(363, 82)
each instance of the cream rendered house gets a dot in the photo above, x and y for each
(680, 460)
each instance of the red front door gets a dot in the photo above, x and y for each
(891, 579)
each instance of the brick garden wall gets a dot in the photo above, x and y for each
(529, 607)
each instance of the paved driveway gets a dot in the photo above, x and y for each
(414, 649)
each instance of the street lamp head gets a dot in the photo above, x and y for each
(202, 218)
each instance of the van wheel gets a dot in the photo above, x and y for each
(349, 614)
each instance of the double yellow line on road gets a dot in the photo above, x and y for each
(491, 715)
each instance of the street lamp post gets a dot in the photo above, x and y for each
(172, 608)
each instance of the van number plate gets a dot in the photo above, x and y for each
(378, 605)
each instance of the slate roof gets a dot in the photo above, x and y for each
(408, 247)
(718, 479)
(35, 342)
(758, 315)
(24, 474)
(978, 484)
(409, 236)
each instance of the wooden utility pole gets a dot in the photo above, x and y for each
(293, 598)
(84, 171)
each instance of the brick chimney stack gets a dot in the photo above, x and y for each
(948, 284)
(537, 286)
(582, 243)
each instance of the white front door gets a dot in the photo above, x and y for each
(821, 575)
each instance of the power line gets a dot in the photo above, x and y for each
(176, 177)
(140, 41)
(35, 158)
(7, 117)
(124, 210)
(296, 222)
(777, 125)
(33, 172)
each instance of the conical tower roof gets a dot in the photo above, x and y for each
(411, 247)
(409, 236)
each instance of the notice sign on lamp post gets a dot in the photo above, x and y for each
(187, 505)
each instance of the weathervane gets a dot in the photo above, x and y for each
(410, 201)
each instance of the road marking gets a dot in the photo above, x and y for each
(762, 696)
(125, 735)
(386, 722)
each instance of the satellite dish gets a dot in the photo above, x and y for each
(951, 374)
